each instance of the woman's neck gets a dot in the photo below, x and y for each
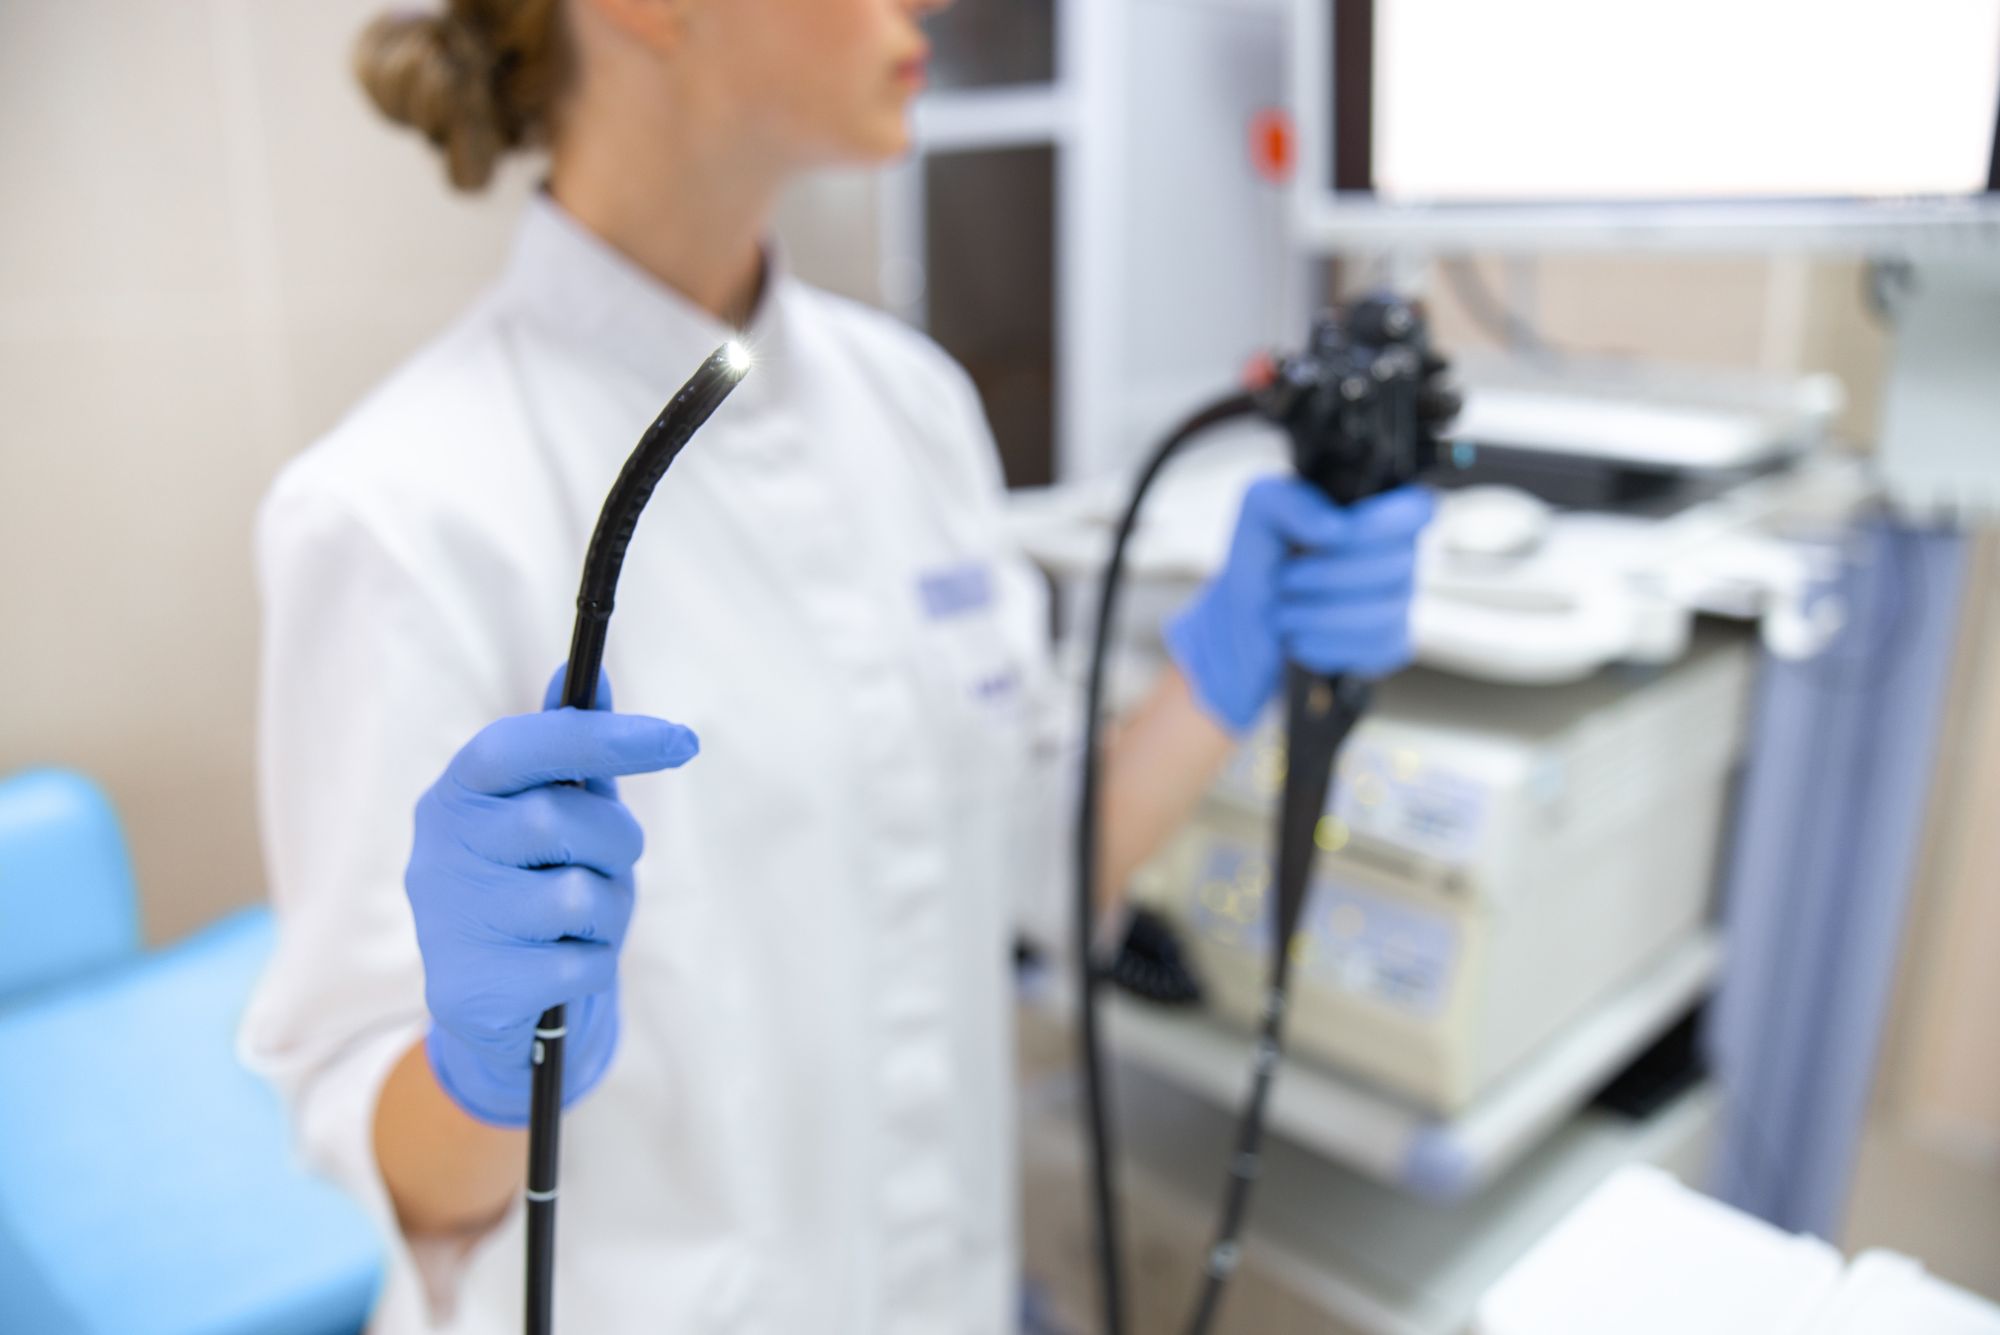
(694, 219)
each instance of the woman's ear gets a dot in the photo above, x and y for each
(657, 25)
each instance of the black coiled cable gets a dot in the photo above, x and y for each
(1321, 711)
(1363, 407)
(1104, 1196)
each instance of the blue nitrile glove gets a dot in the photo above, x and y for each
(1305, 582)
(522, 889)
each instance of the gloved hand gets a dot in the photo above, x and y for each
(522, 890)
(1305, 582)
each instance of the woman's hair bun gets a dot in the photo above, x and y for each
(476, 80)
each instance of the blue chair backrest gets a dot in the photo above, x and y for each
(67, 901)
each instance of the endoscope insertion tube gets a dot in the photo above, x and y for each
(656, 451)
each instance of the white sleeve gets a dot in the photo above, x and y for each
(368, 688)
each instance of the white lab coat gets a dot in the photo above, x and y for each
(808, 1124)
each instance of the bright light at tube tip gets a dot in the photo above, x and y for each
(737, 354)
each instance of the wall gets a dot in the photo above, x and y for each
(1941, 1081)
(1928, 1180)
(208, 247)
(1786, 315)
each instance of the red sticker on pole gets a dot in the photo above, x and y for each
(1261, 371)
(1273, 146)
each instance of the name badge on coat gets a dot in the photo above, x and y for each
(958, 599)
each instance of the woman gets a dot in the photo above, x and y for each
(787, 1081)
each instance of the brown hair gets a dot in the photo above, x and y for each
(478, 80)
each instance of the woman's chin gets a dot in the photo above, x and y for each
(880, 137)
(889, 136)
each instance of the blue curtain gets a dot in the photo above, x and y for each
(1832, 810)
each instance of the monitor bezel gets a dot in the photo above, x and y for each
(1333, 50)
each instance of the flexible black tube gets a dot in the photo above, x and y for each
(1320, 712)
(648, 463)
(1104, 1196)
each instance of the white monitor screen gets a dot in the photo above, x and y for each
(1512, 101)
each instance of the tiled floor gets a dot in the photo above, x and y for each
(1163, 1247)
(1164, 1242)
